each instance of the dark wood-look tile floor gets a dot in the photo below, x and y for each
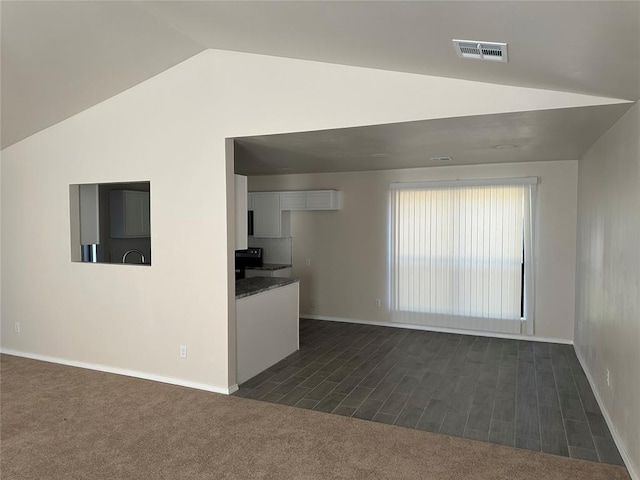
(512, 392)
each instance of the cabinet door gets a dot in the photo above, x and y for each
(130, 214)
(322, 200)
(89, 201)
(267, 218)
(293, 200)
(241, 197)
(136, 214)
(146, 215)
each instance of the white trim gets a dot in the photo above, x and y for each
(477, 333)
(465, 183)
(616, 438)
(121, 371)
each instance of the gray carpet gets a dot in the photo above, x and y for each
(61, 422)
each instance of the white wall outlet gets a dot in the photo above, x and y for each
(308, 262)
(16, 327)
(312, 304)
(183, 351)
(608, 383)
(378, 302)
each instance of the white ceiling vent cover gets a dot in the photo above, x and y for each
(492, 51)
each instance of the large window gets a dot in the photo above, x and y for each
(461, 254)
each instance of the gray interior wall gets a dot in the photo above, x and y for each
(341, 256)
(607, 327)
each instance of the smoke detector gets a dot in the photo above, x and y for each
(492, 51)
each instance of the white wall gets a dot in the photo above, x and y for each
(171, 131)
(112, 315)
(348, 248)
(608, 286)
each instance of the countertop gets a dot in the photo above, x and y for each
(252, 286)
(270, 266)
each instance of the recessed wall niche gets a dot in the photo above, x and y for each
(111, 223)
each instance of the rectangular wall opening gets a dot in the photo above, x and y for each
(111, 223)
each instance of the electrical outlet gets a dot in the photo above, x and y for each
(16, 327)
(608, 383)
(378, 302)
(183, 351)
(313, 304)
(308, 262)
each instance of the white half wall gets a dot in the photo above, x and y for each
(608, 278)
(349, 248)
(171, 130)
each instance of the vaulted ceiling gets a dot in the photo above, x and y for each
(59, 58)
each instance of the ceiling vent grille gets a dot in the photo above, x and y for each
(492, 51)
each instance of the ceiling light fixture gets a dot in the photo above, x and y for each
(440, 159)
(506, 146)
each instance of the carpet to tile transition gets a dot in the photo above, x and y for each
(62, 422)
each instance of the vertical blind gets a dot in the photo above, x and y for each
(458, 251)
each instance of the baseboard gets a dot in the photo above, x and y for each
(409, 326)
(616, 438)
(121, 371)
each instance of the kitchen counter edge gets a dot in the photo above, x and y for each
(255, 285)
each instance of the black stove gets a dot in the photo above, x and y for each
(251, 257)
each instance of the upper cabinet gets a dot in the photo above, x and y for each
(241, 198)
(89, 214)
(271, 210)
(293, 200)
(311, 200)
(268, 218)
(249, 201)
(130, 214)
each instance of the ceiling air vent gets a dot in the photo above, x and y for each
(493, 51)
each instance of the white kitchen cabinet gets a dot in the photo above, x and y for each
(268, 218)
(130, 214)
(279, 273)
(89, 201)
(322, 200)
(266, 329)
(310, 200)
(240, 183)
(293, 200)
(271, 217)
